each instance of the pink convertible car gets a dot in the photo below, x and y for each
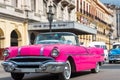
(54, 52)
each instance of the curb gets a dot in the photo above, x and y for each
(0, 63)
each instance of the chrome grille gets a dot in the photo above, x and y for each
(31, 59)
(30, 62)
(115, 56)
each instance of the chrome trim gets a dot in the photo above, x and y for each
(41, 50)
(7, 53)
(19, 49)
(55, 48)
(26, 63)
(49, 67)
(22, 57)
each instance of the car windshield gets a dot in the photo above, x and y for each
(101, 46)
(53, 38)
(116, 46)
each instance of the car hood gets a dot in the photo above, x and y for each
(34, 50)
(115, 51)
(29, 50)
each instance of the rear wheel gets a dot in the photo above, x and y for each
(96, 69)
(17, 76)
(67, 72)
(110, 62)
(114, 61)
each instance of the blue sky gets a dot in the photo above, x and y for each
(115, 2)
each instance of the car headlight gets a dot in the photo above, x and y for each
(6, 53)
(55, 52)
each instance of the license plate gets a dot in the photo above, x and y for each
(28, 70)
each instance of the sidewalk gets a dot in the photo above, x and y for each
(1, 62)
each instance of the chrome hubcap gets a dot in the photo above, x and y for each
(67, 71)
(97, 68)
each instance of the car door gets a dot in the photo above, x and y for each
(81, 57)
(91, 58)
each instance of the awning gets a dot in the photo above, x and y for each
(71, 26)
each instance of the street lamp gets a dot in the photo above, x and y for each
(110, 34)
(50, 16)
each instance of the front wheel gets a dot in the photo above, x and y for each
(67, 72)
(17, 76)
(110, 62)
(96, 69)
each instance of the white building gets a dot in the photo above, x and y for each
(17, 19)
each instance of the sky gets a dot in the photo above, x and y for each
(114, 2)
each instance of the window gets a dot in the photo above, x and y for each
(54, 11)
(84, 6)
(77, 5)
(62, 12)
(69, 14)
(81, 5)
(117, 20)
(15, 3)
(52, 38)
(116, 46)
(44, 7)
(87, 8)
(33, 5)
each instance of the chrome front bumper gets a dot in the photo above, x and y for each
(49, 67)
(114, 59)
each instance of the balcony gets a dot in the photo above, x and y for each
(71, 5)
(65, 2)
(64, 26)
(56, 1)
(11, 11)
(92, 18)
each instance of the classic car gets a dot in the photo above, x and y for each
(57, 53)
(114, 53)
(101, 45)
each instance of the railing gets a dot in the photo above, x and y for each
(67, 2)
(91, 17)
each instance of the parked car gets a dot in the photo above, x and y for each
(114, 53)
(54, 52)
(101, 45)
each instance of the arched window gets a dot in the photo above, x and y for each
(14, 38)
(32, 38)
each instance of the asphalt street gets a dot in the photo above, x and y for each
(108, 72)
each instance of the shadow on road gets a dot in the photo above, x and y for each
(6, 78)
(48, 76)
(34, 77)
(55, 77)
(111, 66)
(82, 73)
(39, 77)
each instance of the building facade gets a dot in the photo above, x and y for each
(116, 21)
(66, 18)
(22, 20)
(94, 13)
(117, 9)
(12, 24)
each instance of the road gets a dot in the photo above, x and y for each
(108, 72)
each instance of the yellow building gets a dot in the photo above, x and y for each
(94, 14)
(13, 26)
(11, 33)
